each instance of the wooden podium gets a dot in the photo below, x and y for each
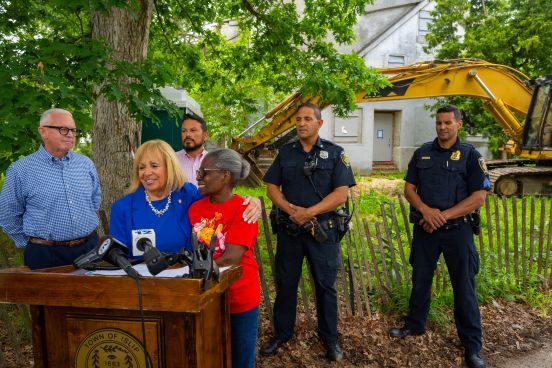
(93, 321)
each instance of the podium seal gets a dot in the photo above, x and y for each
(110, 347)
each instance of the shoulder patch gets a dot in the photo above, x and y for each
(345, 159)
(482, 165)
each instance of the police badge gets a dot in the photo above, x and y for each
(455, 156)
(324, 154)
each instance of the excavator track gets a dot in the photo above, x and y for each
(526, 180)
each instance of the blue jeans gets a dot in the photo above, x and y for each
(244, 328)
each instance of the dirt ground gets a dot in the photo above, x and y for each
(515, 336)
(511, 331)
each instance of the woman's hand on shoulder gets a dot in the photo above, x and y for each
(253, 211)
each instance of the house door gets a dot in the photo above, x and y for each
(383, 136)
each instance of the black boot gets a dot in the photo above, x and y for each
(334, 352)
(403, 332)
(474, 360)
(271, 346)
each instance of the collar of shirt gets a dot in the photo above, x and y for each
(454, 147)
(200, 156)
(46, 156)
(318, 144)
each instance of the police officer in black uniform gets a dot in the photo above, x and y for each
(446, 182)
(308, 180)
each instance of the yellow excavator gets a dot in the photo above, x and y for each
(509, 95)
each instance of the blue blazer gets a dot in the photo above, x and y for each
(127, 214)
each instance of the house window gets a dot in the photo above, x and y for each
(423, 25)
(395, 60)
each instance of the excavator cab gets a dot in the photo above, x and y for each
(537, 134)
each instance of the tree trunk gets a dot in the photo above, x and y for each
(126, 32)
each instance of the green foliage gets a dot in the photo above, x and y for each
(516, 33)
(48, 58)
(238, 59)
(235, 58)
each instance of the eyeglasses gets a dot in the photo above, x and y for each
(202, 172)
(63, 130)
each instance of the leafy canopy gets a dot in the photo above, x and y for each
(516, 33)
(235, 57)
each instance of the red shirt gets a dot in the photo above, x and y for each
(226, 220)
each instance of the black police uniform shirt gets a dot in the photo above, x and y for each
(332, 169)
(444, 177)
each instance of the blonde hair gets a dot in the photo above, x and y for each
(158, 148)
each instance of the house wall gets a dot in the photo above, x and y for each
(389, 33)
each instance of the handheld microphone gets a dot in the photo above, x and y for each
(116, 253)
(154, 259)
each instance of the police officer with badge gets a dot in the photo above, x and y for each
(446, 183)
(307, 182)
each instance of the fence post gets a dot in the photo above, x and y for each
(506, 236)
(498, 233)
(516, 243)
(406, 220)
(400, 245)
(356, 297)
(541, 236)
(374, 261)
(524, 240)
(264, 285)
(390, 244)
(268, 239)
(547, 254)
(489, 232)
(531, 235)
(360, 237)
(382, 254)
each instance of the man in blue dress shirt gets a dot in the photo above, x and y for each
(50, 199)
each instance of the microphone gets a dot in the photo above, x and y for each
(85, 260)
(154, 259)
(116, 253)
(139, 234)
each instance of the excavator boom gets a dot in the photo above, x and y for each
(505, 93)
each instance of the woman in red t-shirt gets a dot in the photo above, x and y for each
(221, 212)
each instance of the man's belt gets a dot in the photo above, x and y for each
(67, 243)
(456, 221)
(452, 224)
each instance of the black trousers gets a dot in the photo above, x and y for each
(462, 262)
(38, 256)
(323, 260)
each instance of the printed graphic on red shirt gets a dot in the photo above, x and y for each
(225, 221)
(205, 229)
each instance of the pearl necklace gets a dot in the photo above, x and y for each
(155, 210)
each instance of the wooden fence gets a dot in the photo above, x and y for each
(514, 243)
